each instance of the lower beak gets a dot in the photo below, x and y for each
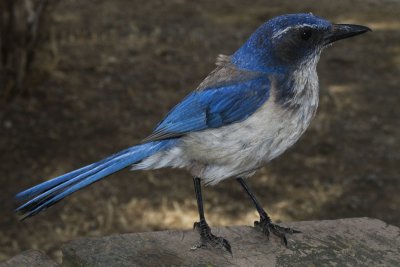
(343, 31)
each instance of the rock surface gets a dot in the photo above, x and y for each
(31, 258)
(345, 242)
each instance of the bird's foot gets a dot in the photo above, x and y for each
(207, 239)
(266, 226)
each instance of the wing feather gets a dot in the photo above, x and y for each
(225, 101)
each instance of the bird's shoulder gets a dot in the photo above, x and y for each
(225, 74)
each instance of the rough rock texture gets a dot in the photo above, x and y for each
(31, 258)
(345, 242)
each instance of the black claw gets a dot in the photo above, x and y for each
(266, 227)
(207, 239)
(284, 239)
(226, 246)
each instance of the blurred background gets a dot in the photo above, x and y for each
(80, 80)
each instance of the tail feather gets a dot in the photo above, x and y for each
(50, 192)
(43, 201)
(68, 180)
(60, 179)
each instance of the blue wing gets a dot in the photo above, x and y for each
(214, 107)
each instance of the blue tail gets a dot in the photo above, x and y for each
(50, 192)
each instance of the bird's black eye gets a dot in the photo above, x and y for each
(305, 34)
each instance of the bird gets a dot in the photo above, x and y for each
(252, 107)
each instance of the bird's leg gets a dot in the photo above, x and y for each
(265, 224)
(206, 237)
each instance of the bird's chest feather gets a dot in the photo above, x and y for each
(267, 133)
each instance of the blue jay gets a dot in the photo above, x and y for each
(253, 106)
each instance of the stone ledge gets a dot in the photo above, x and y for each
(345, 242)
(31, 258)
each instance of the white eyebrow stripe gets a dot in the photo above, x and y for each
(279, 33)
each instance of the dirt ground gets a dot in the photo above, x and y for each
(116, 67)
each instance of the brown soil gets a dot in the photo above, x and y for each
(119, 66)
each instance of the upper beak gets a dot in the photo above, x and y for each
(342, 31)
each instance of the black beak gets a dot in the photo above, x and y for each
(342, 31)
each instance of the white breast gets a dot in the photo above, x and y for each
(241, 148)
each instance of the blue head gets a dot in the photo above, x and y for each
(288, 41)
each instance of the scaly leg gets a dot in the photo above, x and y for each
(206, 237)
(265, 224)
